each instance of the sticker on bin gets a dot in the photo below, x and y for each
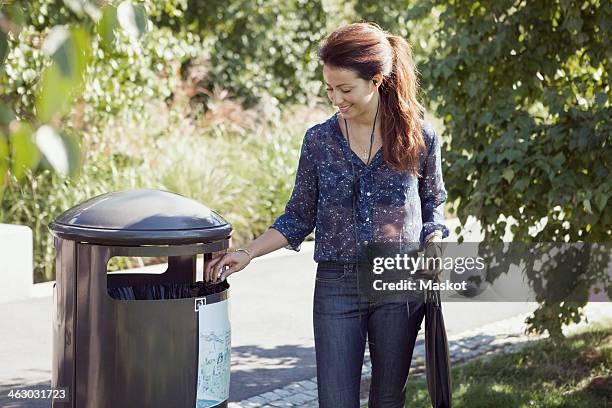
(199, 302)
(214, 353)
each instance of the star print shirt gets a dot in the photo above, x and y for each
(391, 207)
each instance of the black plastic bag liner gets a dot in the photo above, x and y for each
(167, 291)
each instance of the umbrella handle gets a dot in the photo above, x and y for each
(433, 296)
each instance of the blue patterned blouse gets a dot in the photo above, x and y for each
(392, 206)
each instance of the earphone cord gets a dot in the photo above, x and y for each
(354, 204)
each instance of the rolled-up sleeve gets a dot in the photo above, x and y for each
(300, 214)
(431, 187)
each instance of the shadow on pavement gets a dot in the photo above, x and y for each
(256, 370)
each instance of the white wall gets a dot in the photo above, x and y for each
(16, 262)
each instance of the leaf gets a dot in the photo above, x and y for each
(17, 18)
(24, 152)
(559, 159)
(6, 115)
(60, 151)
(485, 118)
(107, 25)
(508, 174)
(132, 18)
(82, 44)
(600, 201)
(4, 159)
(587, 206)
(3, 46)
(573, 23)
(58, 46)
(521, 184)
(601, 98)
(70, 51)
(76, 6)
(54, 95)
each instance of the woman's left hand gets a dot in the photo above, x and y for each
(433, 253)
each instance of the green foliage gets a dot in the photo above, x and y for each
(411, 19)
(46, 194)
(22, 149)
(75, 63)
(262, 46)
(70, 52)
(68, 48)
(573, 372)
(245, 176)
(523, 88)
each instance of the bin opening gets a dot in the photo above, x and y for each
(166, 290)
(177, 281)
(148, 264)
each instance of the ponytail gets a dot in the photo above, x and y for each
(402, 112)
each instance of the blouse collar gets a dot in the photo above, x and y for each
(348, 152)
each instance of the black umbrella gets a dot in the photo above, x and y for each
(436, 351)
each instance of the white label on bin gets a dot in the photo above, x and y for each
(199, 302)
(213, 354)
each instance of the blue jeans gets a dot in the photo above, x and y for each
(340, 332)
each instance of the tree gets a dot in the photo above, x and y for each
(523, 89)
(31, 135)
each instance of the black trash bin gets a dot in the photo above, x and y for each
(150, 350)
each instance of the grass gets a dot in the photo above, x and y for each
(576, 372)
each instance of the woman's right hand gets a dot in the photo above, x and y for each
(235, 261)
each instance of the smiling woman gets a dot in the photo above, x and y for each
(369, 174)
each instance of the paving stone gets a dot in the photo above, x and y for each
(233, 405)
(282, 404)
(473, 344)
(258, 400)
(307, 384)
(314, 393)
(482, 337)
(294, 387)
(254, 402)
(485, 346)
(498, 340)
(282, 393)
(299, 398)
(270, 396)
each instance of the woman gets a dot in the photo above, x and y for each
(369, 174)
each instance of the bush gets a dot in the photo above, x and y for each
(244, 173)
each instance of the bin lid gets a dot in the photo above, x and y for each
(141, 217)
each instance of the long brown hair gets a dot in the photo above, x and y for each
(368, 50)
